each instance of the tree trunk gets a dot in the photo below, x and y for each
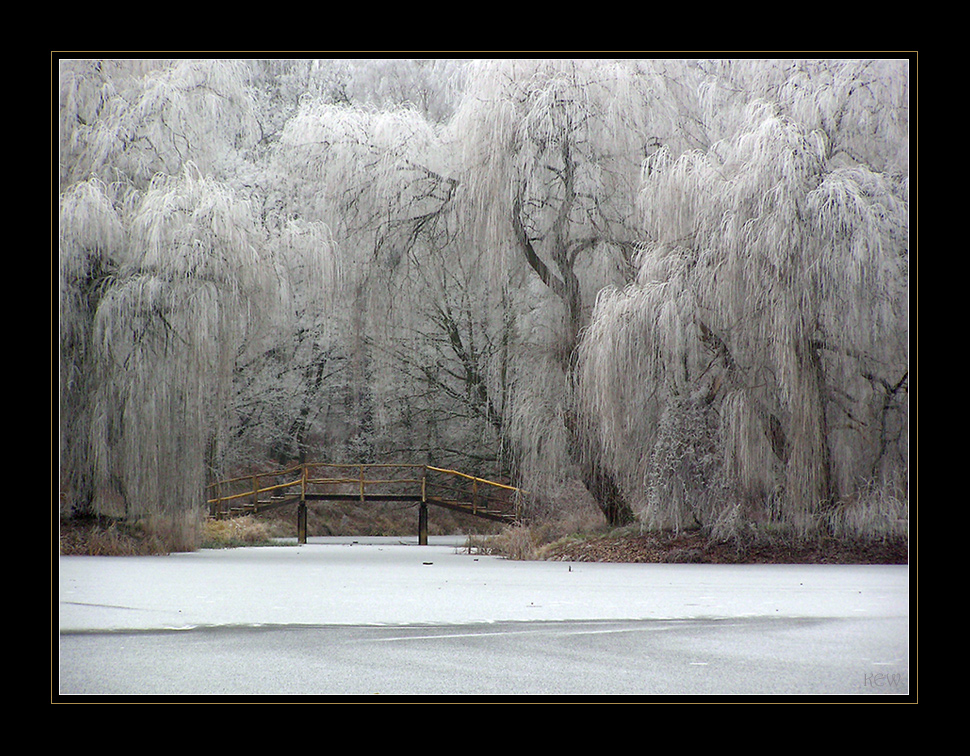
(604, 489)
(600, 483)
(810, 475)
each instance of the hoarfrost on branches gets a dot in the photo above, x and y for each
(676, 287)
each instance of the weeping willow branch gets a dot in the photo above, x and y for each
(763, 255)
(167, 332)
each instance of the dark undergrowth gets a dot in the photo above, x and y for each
(104, 537)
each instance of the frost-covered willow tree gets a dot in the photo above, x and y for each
(166, 334)
(120, 122)
(91, 246)
(126, 120)
(430, 86)
(551, 151)
(861, 106)
(758, 365)
(161, 279)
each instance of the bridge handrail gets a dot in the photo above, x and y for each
(367, 481)
(476, 493)
(268, 474)
(470, 477)
(358, 465)
(250, 492)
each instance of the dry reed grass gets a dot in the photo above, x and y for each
(108, 539)
(235, 531)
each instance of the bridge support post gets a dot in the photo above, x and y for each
(301, 522)
(422, 524)
(301, 512)
(423, 511)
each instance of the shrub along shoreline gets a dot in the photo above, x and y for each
(629, 545)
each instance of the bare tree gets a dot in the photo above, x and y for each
(286, 372)
(419, 327)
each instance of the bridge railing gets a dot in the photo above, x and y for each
(248, 490)
(361, 480)
(478, 493)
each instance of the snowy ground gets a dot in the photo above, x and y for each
(366, 616)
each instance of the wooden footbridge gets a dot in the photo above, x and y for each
(421, 484)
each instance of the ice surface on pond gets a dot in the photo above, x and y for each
(394, 581)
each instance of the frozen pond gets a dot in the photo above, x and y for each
(386, 616)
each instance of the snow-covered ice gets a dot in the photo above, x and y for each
(392, 582)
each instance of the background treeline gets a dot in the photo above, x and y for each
(673, 292)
